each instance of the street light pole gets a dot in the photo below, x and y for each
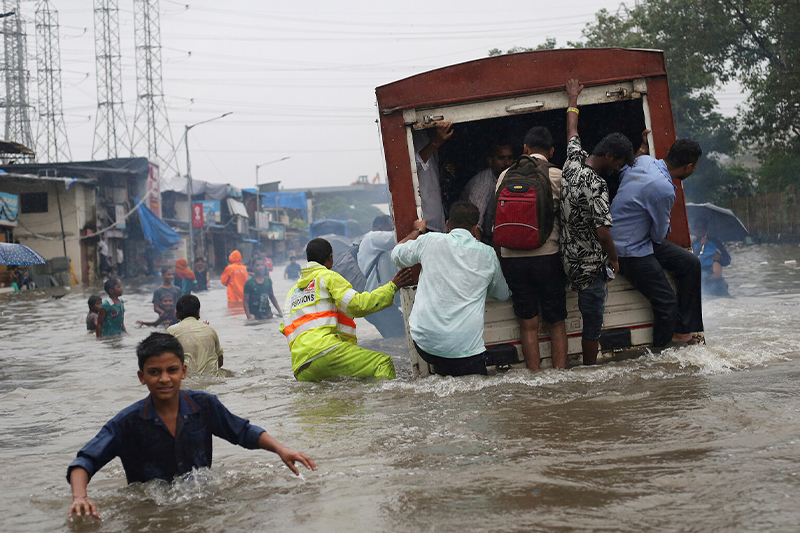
(269, 163)
(190, 246)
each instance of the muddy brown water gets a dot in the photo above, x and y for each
(698, 439)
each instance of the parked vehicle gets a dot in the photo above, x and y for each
(625, 91)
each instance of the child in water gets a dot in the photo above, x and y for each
(168, 433)
(95, 303)
(167, 315)
(111, 316)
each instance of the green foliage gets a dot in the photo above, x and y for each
(779, 172)
(340, 208)
(707, 43)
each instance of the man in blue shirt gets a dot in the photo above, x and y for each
(641, 212)
(168, 433)
(458, 273)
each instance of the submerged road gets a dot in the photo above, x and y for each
(699, 439)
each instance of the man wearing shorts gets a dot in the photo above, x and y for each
(536, 277)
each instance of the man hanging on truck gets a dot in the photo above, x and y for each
(458, 273)
(426, 148)
(641, 211)
(481, 187)
(536, 275)
(587, 247)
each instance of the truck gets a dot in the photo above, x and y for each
(626, 91)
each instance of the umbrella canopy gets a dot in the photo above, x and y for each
(17, 254)
(722, 223)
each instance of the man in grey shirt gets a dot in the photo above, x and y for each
(374, 260)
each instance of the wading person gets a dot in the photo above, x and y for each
(167, 434)
(111, 315)
(200, 341)
(374, 260)
(535, 275)
(167, 287)
(641, 212)
(458, 273)
(234, 277)
(318, 320)
(258, 294)
(586, 244)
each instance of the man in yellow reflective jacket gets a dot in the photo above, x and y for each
(318, 320)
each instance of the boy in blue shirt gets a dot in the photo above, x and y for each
(168, 433)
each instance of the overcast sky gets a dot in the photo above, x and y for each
(299, 77)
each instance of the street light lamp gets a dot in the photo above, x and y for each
(190, 247)
(269, 163)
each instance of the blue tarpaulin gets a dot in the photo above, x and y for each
(158, 233)
(288, 200)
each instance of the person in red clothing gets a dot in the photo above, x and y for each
(234, 277)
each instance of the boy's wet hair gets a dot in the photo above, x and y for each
(167, 295)
(318, 250)
(188, 305)
(464, 215)
(94, 300)
(157, 344)
(683, 152)
(110, 284)
(539, 137)
(165, 269)
(617, 146)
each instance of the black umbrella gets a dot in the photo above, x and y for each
(722, 223)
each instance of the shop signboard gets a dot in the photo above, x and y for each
(9, 209)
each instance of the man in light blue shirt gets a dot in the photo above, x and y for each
(458, 273)
(641, 212)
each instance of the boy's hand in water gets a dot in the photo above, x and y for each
(289, 457)
(83, 506)
(403, 278)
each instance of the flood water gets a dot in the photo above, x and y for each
(698, 439)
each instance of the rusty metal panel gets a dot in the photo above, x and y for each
(513, 74)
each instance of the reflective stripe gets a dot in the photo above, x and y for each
(294, 331)
(344, 323)
(323, 290)
(288, 330)
(346, 299)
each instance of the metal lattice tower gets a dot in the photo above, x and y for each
(52, 138)
(111, 138)
(17, 77)
(151, 129)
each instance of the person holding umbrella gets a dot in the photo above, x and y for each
(713, 256)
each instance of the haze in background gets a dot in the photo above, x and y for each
(300, 78)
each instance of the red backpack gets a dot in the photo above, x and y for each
(525, 211)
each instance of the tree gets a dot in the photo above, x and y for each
(710, 42)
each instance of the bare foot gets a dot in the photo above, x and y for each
(681, 337)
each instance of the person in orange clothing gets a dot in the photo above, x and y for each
(234, 277)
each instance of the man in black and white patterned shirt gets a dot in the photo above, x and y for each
(586, 243)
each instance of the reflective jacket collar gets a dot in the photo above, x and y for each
(311, 271)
